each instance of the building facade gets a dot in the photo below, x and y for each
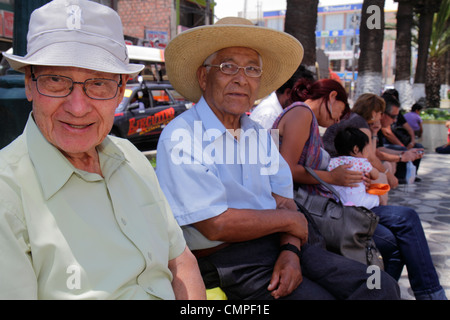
(153, 23)
(337, 35)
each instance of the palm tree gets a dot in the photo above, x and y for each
(425, 9)
(371, 45)
(403, 52)
(301, 20)
(446, 69)
(438, 47)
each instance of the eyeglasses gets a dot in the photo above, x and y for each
(232, 69)
(56, 86)
(394, 117)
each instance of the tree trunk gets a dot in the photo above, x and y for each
(403, 53)
(426, 10)
(433, 82)
(371, 46)
(301, 20)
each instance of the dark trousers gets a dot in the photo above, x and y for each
(243, 271)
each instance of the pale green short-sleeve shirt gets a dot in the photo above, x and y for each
(70, 234)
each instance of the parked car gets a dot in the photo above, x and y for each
(145, 110)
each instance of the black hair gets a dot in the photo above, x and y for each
(346, 140)
(391, 101)
(392, 92)
(300, 73)
(416, 107)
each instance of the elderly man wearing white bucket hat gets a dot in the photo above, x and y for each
(225, 181)
(81, 213)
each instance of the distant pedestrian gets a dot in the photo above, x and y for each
(414, 120)
(445, 149)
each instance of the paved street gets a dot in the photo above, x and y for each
(431, 199)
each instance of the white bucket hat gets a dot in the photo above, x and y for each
(281, 53)
(76, 33)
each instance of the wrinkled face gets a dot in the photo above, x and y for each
(230, 94)
(74, 124)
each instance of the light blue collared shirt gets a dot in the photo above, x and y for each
(203, 170)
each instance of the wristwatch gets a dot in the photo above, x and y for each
(292, 248)
(400, 157)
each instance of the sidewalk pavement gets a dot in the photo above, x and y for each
(431, 199)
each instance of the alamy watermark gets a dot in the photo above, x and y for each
(374, 280)
(74, 279)
(374, 19)
(212, 146)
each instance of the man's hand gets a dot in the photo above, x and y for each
(412, 154)
(286, 276)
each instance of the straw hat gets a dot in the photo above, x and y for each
(76, 33)
(280, 52)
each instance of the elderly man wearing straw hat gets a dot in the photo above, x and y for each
(81, 213)
(225, 181)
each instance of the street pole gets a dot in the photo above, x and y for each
(208, 12)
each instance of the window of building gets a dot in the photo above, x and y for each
(319, 25)
(335, 65)
(277, 24)
(334, 22)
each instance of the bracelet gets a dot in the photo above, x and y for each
(387, 170)
(400, 157)
(292, 248)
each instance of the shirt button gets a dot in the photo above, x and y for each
(149, 255)
(124, 222)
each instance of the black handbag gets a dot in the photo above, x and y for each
(347, 230)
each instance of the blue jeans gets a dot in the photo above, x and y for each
(445, 149)
(401, 240)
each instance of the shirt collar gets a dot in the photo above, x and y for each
(210, 120)
(52, 167)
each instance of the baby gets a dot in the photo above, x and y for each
(352, 147)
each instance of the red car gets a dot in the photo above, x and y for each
(145, 110)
